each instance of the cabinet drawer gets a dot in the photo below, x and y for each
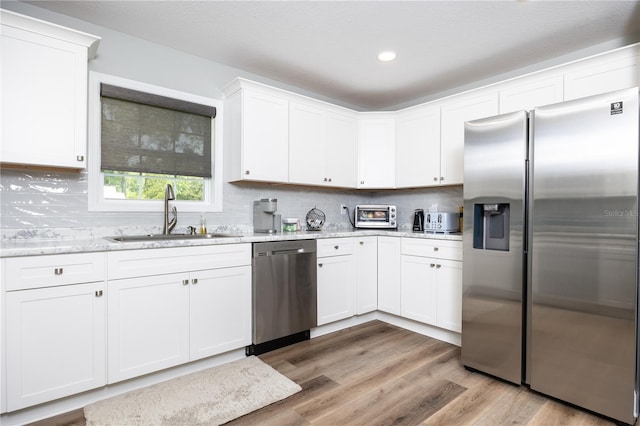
(440, 249)
(23, 273)
(335, 246)
(140, 263)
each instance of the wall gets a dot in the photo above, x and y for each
(51, 204)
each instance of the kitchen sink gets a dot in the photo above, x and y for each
(164, 237)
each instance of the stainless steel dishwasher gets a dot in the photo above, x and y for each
(284, 282)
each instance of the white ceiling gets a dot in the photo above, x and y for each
(330, 47)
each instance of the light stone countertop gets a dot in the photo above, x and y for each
(35, 247)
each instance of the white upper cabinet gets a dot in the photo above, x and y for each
(256, 133)
(454, 114)
(604, 73)
(377, 153)
(418, 147)
(531, 92)
(44, 92)
(322, 146)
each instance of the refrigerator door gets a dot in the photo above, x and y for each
(584, 218)
(495, 152)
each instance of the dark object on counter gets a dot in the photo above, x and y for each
(315, 219)
(418, 220)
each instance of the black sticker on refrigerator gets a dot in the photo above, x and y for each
(616, 108)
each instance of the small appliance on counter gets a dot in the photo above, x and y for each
(418, 220)
(265, 218)
(441, 222)
(376, 216)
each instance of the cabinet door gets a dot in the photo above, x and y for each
(377, 153)
(44, 100)
(528, 93)
(220, 311)
(367, 274)
(55, 343)
(265, 140)
(419, 290)
(453, 118)
(148, 326)
(389, 274)
(449, 295)
(336, 288)
(307, 131)
(603, 74)
(341, 151)
(418, 149)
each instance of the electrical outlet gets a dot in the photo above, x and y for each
(343, 209)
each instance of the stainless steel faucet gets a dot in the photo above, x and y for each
(169, 224)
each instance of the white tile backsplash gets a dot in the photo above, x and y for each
(53, 204)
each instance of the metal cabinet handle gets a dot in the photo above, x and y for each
(98, 293)
(58, 271)
(361, 182)
(194, 281)
(185, 282)
(79, 157)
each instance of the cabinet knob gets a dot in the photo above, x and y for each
(324, 180)
(58, 271)
(336, 247)
(98, 293)
(246, 172)
(319, 265)
(436, 249)
(361, 182)
(79, 157)
(432, 265)
(441, 178)
(194, 281)
(329, 179)
(361, 243)
(185, 282)
(438, 266)
(435, 179)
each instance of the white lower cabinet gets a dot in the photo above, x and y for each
(336, 279)
(159, 321)
(389, 274)
(431, 282)
(54, 311)
(55, 342)
(366, 275)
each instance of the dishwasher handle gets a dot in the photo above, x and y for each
(282, 252)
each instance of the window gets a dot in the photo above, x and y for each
(143, 137)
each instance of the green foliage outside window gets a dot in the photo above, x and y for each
(150, 186)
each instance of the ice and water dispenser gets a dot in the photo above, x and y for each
(491, 226)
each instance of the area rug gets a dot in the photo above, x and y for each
(209, 397)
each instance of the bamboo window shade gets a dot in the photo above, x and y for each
(148, 133)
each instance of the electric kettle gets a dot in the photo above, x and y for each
(418, 220)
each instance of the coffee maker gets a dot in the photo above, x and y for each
(418, 220)
(265, 218)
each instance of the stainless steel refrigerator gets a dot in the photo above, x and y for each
(550, 278)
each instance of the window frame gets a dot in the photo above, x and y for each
(95, 176)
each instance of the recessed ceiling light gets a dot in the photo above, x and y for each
(387, 56)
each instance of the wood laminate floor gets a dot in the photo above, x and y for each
(379, 374)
